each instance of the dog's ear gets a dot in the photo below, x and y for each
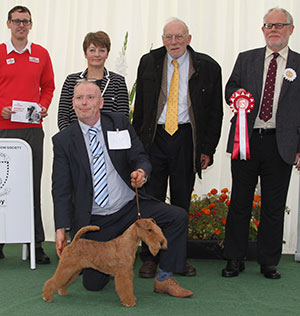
(140, 223)
(144, 224)
(153, 220)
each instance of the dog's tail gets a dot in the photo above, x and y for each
(83, 230)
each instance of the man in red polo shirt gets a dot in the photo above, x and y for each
(26, 75)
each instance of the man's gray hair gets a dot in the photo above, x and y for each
(289, 18)
(177, 20)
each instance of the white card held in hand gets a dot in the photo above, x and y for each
(118, 139)
(25, 112)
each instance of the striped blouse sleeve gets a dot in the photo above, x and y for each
(66, 113)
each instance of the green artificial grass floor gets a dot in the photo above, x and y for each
(248, 294)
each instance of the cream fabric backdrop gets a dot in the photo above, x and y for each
(220, 28)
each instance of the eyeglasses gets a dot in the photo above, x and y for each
(278, 26)
(18, 22)
(178, 37)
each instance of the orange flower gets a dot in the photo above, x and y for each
(256, 222)
(225, 190)
(224, 195)
(253, 205)
(256, 198)
(227, 202)
(214, 191)
(259, 204)
(206, 211)
(223, 220)
(211, 206)
(217, 231)
(191, 217)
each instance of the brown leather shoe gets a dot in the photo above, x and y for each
(148, 270)
(189, 270)
(171, 287)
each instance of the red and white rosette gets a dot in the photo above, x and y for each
(241, 103)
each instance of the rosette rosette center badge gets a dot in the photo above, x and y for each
(241, 104)
(289, 74)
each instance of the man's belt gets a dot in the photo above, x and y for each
(265, 131)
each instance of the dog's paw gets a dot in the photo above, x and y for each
(62, 292)
(47, 298)
(129, 302)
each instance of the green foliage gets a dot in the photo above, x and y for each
(131, 94)
(207, 216)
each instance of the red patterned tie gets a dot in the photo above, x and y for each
(267, 101)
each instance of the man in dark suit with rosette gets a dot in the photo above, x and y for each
(270, 75)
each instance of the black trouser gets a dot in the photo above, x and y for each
(275, 176)
(172, 220)
(35, 138)
(172, 159)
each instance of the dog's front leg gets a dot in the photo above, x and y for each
(124, 287)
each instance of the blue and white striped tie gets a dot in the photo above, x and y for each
(100, 179)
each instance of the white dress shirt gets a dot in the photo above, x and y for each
(281, 65)
(10, 47)
(119, 192)
(183, 66)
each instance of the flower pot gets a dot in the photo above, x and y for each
(213, 249)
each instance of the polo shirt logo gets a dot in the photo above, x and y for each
(10, 61)
(34, 59)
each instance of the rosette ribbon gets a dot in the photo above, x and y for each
(241, 104)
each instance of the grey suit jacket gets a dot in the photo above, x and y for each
(248, 74)
(72, 187)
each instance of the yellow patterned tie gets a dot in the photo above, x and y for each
(171, 125)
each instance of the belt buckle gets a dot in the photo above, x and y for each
(260, 132)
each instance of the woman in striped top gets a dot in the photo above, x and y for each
(96, 47)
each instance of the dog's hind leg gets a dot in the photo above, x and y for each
(66, 272)
(63, 290)
(124, 287)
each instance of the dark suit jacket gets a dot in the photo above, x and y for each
(72, 186)
(204, 98)
(248, 74)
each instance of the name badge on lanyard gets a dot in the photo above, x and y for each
(118, 140)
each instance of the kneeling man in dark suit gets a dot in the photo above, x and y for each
(98, 160)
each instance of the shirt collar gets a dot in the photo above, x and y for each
(283, 52)
(10, 47)
(85, 128)
(180, 60)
